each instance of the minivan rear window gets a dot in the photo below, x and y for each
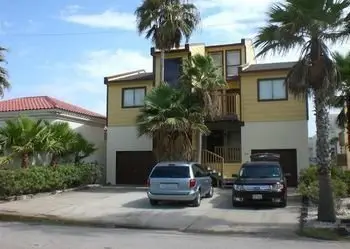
(171, 172)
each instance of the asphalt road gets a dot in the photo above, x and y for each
(31, 236)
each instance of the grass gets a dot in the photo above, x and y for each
(322, 234)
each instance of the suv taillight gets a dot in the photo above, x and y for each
(192, 183)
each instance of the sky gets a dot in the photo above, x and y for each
(64, 48)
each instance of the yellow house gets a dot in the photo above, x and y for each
(258, 114)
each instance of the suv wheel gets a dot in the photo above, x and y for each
(153, 202)
(197, 201)
(283, 203)
(210, 193)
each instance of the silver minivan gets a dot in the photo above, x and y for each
(179, 181)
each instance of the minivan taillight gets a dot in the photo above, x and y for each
(192, 183)
(148, 183)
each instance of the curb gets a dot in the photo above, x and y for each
(55, 192)
(55, 220)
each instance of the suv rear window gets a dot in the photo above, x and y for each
(260, 171)
(171, 172)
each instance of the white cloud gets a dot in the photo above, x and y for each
(106, 19)
(98, 64)
(81, 83)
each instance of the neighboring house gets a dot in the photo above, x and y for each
(258, 114)
(338, 148)
(90, 124)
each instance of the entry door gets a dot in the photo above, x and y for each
(216, 138)
(288, 161)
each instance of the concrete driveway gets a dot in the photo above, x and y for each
(129, 207)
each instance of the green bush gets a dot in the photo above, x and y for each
(308, 182)
(44, 179)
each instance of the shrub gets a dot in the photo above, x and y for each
(44, 179)
(308, 182)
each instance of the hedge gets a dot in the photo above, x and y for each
(308, 182)
(37, 179)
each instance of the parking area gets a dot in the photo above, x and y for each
(127, 206)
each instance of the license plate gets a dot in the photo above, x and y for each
(257, 197)
(168, 186)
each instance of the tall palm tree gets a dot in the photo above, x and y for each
(202, 77)
(22, 136)
(4, 83)
(342, 100)
(309, 25)
(166, 23)
(171, 116)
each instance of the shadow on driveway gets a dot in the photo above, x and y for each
(143, 203)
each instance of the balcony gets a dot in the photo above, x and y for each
(228, 106)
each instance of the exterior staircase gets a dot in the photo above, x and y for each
(215, 164)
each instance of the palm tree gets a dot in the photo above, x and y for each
(171, 116)
(22, 136)
(4, 83)
(342, 100)
(309, 25)
(81, 148)
(202, 77)
(59, 141)
(166, 23)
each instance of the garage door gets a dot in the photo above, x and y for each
(288, 160)
(133, 167)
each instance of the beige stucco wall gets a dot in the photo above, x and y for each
(123, 139)
(276, 135)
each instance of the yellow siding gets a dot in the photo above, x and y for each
(197, 49)
(117, 116)
(231, 168)
(252, 110)
(250, 53)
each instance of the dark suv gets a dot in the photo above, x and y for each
(260, 181)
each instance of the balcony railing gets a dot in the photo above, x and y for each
(230, 154)
(228, 104)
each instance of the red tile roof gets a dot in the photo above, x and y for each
(43, 103)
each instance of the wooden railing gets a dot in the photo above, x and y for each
(229, 104)
(230, 154)
(212, 161)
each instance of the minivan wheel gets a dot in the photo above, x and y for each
(210, 193)
(153, 202)
(197, 201)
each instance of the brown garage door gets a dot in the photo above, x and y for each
(288, 160)
(133, 167)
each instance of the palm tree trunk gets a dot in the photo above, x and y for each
(199, 146)
(326, 210)
(54, 160)
(25, 160)
(348, 117)
(162, 56)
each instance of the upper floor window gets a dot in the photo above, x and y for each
(233, 61)
(133, 97)
(272, 89)
(218, 60)
(172, 71)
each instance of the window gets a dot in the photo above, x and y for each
(198, 171)
(233, 60)
(172, 70)
(171, 172)
(218, 60)
(133, 97)
(272, 89)
(260, 171)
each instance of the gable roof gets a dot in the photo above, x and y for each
(138, 76)
(269, 66)
(43, 103)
